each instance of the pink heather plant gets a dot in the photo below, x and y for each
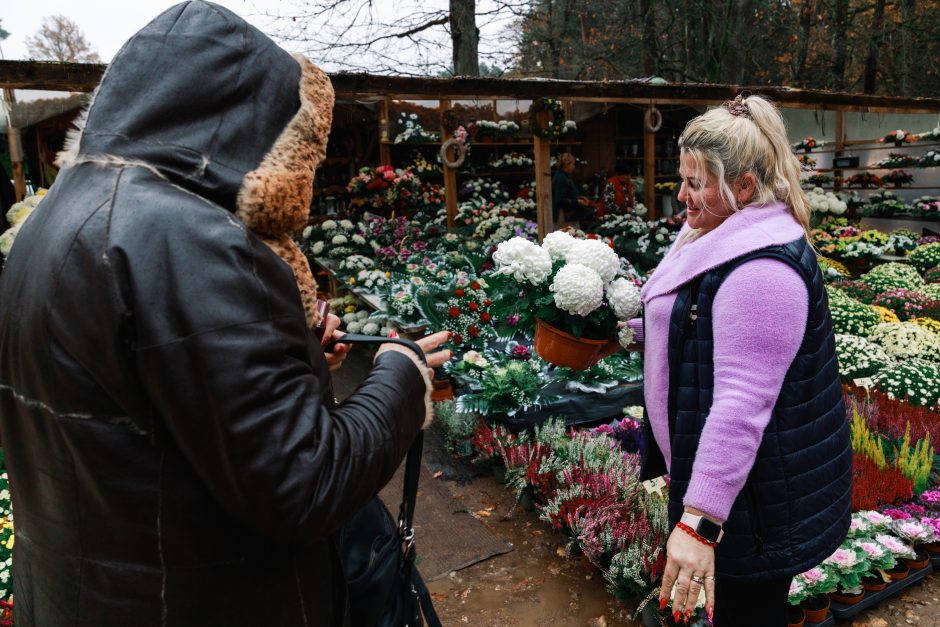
(897, 514)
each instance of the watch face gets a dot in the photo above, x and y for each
(709, 529)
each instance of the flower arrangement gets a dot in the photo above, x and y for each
(370, 280)
(902, 241)
(16, 216)
(899, 137)
(506, 388)
(908, 304)
(461, 307)
(916, 380)
(925, 256)
(925, 207)
(385, 187)
(890, 276)
(806, 144)
(483, 191)
(572, 284)
(865, 179)
(825, 202)
(818, 180)
(896, 160)
(807, 162)
(859, 358)
(898, 178)
(850, 316)
(665, 186)
(832, 270)
(411, 130)
(884, 202)
(930, 160)
(512, 161)
(354, 263)
(556, 126)
(425, 170)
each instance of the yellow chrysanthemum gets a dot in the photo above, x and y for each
(928, 323)
(42, 191)
(350, 309)
(886, 314)
(835, 265)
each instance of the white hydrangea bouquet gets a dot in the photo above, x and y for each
(577, 287)
(821, 201)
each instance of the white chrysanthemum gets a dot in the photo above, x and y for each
(317, 248)
(625, 336)
(578, 289)
(354, 327)
(624, 297)
(307, 231)
(358, 239)
(362, 315)
(597, 256)
(370, 328)
(558, 243)
(346, 224)
(523, 260)
(328, 225)
(350, 318)
(339, 240)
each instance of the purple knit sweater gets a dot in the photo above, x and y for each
(759, 318)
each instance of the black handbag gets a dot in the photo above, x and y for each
(383, 585)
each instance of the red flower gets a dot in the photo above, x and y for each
(473, 331)
(454, 312)
(474, 306)
(487, 302)
(591, 236)
(457, 339)
(475, 285)
(458, 293)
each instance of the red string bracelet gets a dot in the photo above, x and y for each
(689, 530)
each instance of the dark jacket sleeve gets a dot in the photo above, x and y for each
(227, 361)
(564, 192)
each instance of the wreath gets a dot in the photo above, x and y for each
(649, 116)
(556, 126)
(460, 153)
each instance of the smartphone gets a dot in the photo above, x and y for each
(323, 309)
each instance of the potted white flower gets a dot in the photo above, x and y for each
(574, 290)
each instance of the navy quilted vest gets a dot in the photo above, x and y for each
(795, 508)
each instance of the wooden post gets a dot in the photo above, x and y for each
(385, 153)
(649, 172)
(543, 186)
(450, 175)
(840, 144)
(16, 148)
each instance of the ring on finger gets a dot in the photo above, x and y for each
(698, 580)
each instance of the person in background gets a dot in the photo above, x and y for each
(175, 457)
(742, 385)
(565, 195)
(618, 191)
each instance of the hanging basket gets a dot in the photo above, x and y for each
(563, 349)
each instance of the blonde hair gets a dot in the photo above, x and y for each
(565, 158)
(747, 135)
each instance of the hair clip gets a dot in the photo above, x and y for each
(737, 107)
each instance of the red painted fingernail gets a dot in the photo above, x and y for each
(676, 615)
(450, 334)
(711, 612)
(688, 613)
(662, 603)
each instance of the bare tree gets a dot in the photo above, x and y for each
(60, 39)
(407, 37)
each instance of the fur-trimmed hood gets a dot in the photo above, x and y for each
(212, 105)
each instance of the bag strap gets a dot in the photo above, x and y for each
(406, 511)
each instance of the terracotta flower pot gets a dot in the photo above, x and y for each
(933, 548)
(816, 608)
(796, 616)
(919, 562)
(563, 349)
(874, 583)
(443, 390)
(899, 572)
(845, 598)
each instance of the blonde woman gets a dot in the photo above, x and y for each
(742, 385)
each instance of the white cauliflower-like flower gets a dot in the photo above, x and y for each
(625, 336)
(362, 315)
(307, 231)
(624, 297)
(578, 289)
(328, 225)
(558, 243)
(338, 240)
(349, 318)
(370, 328)
(354, 327)
(597, 256)
(317, 248)
(523, 260)
(358, 239)
(346, 224)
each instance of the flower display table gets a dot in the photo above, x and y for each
(871, 599)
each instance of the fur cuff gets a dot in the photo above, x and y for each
(426, 375)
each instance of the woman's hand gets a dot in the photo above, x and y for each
(334, 359)
(686, 557)
(429, 344)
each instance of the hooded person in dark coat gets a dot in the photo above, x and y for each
(174, 455)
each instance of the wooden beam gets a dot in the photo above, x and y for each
(16, 148)
(649, 172)
(543, 186)
(450, 175)
(84, 77)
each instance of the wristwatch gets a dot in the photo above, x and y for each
(706, 528)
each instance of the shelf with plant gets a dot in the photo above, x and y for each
(410, 131)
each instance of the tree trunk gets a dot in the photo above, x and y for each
(908, 15)
(840, 27)
(649, 38)
(465, 37)
(871, 64)
(807, 12)
(738, 47)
